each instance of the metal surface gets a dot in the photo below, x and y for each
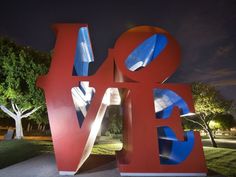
(141, 60)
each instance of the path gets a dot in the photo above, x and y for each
(44, 166)
(223, 143)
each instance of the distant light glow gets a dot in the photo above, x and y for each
(214, 125)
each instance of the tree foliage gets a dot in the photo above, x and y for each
(115, 120)
(225, 121)
(208, 104)
(19, 68)
(208, 100)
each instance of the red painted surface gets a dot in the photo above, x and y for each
(72, 144)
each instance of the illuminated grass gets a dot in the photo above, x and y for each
(106, 149)
(221, 160)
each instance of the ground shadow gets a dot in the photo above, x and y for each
(98, 163)
(213, 173)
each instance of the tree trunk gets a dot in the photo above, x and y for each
(19, 130)
(28, 127)
(22, 134)
(17, 115)
(43, 129)
(210, 135)
(39, 125)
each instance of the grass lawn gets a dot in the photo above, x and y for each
(221, 160)
(15, 151)
(106, 149)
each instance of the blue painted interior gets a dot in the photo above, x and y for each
(146, 52)
(83, 54)
(80, 117)
(168, 100)
(173, 151)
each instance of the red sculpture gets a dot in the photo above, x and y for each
(142, 59)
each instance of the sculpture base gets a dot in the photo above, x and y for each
(62, 173)
(163, 174)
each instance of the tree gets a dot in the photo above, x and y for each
(225, 121)
(208, 103)
(20, 66)
(115, 120)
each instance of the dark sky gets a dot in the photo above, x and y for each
(205, 29)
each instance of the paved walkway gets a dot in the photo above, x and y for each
(44, 166)
(223, 143)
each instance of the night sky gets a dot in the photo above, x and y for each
(206, 31)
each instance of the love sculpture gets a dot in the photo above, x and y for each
(154, 142)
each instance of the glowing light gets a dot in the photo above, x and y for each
(96, 125)
(188, 114)
(111, 97)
